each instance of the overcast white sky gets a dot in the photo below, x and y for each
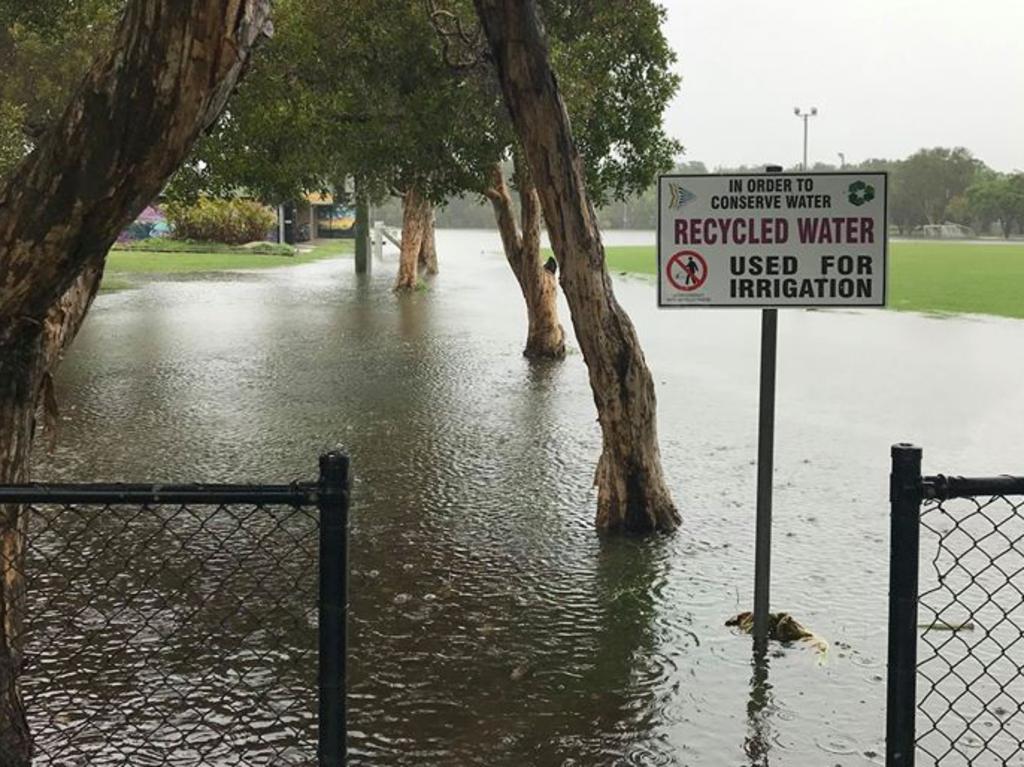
(887, 76)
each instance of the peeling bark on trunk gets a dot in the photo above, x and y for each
(24, 366)
(545, 338)
(414, 220)
(428, 248)
(632, 494)
(21, 372)
(132, 122)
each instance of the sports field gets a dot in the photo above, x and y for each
(954, 277)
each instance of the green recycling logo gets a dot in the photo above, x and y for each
(861, 193)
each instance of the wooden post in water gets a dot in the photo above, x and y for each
(364, 263)
(378, 240)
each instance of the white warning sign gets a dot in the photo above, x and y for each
(779, 239)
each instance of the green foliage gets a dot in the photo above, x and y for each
(46, 47)
(230, 221)
(615, 70)
(373, 100)
(376, 100)
(998, 198)
(927, 181)
(959, 210)
(12, 139)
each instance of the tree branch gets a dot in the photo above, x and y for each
(132, 122)
(462, 50)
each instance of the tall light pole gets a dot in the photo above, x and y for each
(842, 160)
(805, 116)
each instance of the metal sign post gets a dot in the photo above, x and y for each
(765, 241)
(765, 467)
(765, 471)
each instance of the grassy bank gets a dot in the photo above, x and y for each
(126, 266)
(960, 277)
(168, 245)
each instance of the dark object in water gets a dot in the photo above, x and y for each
(782, 627)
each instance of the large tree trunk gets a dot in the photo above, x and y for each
(133, 121)
(632, 494)
(428, 247)
(414, 223)
(25, 365)
(545, 338)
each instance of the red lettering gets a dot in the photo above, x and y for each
(681, 232)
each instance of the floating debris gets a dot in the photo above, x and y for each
(782, 627)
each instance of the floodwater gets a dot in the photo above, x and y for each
(490, 624)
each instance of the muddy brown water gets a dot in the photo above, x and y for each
(490, 624)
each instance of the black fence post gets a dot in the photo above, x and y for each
(904, 547)
(333, 504)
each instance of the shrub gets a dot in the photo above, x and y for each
(233, 222)
(12, 137)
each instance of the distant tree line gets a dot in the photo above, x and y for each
(931, 186)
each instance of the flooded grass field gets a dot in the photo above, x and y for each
(490, 624)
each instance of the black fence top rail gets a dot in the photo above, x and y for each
(941, 487)
(295, 494)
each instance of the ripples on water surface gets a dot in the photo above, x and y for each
(490, 625)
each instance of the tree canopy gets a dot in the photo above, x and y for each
(46, 47)
(998, 198)
(392, 111)
(373, 100)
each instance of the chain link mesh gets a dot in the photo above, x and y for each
(170, 635)
(970, 677)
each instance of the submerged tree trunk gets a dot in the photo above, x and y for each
(414, 222)
(20, 381)
(130, 125)
(632, 494)
(545, 338)
(25, 364)
(428, 247)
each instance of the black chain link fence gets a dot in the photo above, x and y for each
(972, 609)
(968, 631)
(171, 626)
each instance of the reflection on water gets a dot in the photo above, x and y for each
(490, 625)
(759, 732)
(172, 635)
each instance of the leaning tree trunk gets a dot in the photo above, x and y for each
(25, 365)
(632, 494)
(428, 247)
(414, 224)
(545, 338)
(130, 125)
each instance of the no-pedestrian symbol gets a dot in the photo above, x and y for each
(687, 270)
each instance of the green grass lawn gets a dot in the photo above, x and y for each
(960, 277)
(126, 267)
(169, 245)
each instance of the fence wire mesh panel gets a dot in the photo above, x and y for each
(955, 688)
(161, 633)
(971, 610)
